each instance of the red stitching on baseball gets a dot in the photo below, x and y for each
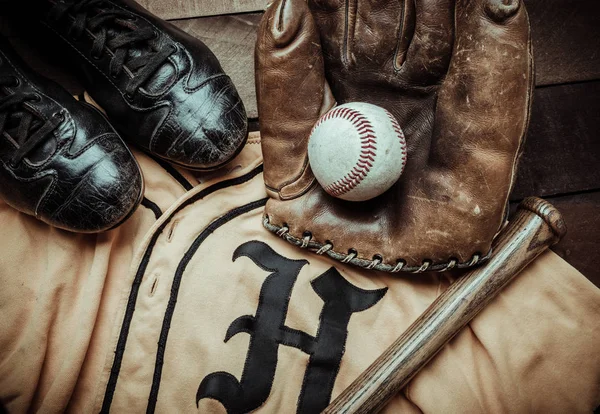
(398, 131)
(368, 141)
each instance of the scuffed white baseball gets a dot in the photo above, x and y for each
(357, 151)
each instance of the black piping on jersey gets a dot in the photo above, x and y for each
(162, 341)
(130, 309)
(152, 206)
(173, 172)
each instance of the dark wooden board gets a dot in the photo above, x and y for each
(581, 245)
(181, 9)
(562, 151)
(566, 40)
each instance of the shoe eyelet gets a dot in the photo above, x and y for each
(95, 57)
(156, 34)
(37, 98)
(16, 82)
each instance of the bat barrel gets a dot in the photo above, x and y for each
(536, 226)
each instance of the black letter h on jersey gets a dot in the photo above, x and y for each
(268, 331)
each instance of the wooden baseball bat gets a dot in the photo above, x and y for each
(536, 226)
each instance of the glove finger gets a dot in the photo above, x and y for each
(330, 17)
(430, 48)
(365, 33)
(292, 93)
(483, 107)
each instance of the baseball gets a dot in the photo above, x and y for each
(357, 151)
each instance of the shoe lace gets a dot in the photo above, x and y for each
(26, 127)
(116, 29)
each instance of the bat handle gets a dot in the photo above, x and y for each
(536, 226)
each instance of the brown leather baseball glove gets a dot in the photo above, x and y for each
(457, 75)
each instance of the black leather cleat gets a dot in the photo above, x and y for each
(60, 159)
(161, 88)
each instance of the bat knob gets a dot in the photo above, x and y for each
(548, 213)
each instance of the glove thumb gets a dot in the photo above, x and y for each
(292, 94)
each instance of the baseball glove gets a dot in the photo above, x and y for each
(458, 77)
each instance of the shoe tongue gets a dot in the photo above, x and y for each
(43, 151)
(162, 78)
(160, 81)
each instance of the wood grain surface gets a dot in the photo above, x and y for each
(562, 151)
(180, 9)
(566, 40)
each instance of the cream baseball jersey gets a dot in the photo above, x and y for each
(192, 306)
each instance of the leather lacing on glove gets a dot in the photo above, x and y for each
(117, 32)
(22, 124)
(307, 242)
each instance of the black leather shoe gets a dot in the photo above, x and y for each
(161, 88)
(60, 160)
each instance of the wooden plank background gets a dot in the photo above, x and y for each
(562, 151)
(566, 39)
(181, 9)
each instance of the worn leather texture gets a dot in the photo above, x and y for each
(79, 175)
(162, 89)
(458, 77)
